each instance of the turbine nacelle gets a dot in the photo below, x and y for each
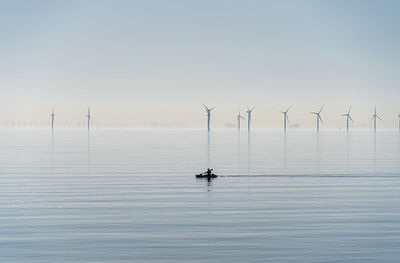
(347, 115)
(285, 112)
(318, 115)
(375, 115)
(208, 109)
(249, 111)
(88, 114)
(240, 116)
(286, 117)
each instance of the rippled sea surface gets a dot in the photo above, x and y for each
(129, 195)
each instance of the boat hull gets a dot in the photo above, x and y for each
(206, 176)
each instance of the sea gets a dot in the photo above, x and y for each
(130, 195)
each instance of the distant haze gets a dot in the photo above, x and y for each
(144, 62)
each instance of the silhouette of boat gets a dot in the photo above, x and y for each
(207, 176)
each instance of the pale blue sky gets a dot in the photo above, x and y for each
(138, 62)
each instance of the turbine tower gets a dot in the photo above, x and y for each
(374, 118)
(348, 117)
(208, 110)
(285, 117)
(249, 117)
(52, 118)
(89, 118)
(318, 117)
(238, 120)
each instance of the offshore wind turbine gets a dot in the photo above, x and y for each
(238, 120)
(374, 118)
(52, 118)
(285, 118)
(208, 111)
(249, 117)
(89, 118)
(318, 117)
(398, 116)
(348, 117)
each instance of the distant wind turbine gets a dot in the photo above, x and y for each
(208, 110)
(238, 120)
(374, 118)
(89, 118)
(318, 117)
(285, 118)
(52, 118)
(348, 117)
(398, 116)
(249, 117)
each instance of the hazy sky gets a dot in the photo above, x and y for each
(138, 62)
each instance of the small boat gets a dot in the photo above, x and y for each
(205, 175)
(208, 174)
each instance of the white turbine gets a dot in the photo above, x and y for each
(208, 110)
(249, 117)
(52, 119)
(89, 118)
(285, 118)
(238, 120)
(318, 117)
(348, 117)
(374, 118)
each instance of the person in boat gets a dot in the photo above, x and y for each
(209, 172)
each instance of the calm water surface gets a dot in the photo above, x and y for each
(131, 196)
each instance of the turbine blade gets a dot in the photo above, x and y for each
(349, 110)
(206, 107)
(288, 108)
(351, 119)
(313, 112)
(287, 117)
(212, 108)
(321, 109)
(378, 117)
(319, 117)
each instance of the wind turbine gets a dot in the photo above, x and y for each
(249, 117)
(52, 118)
(318, 117)
(89, 118)
(285, 117)
(347, 115)
(398, 116)
(208, 110)
(374, 118)
(238, 120)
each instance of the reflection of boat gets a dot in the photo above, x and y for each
(207, 176)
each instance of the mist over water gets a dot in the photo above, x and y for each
(129, 195)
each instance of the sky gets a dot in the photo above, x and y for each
(142, 62)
